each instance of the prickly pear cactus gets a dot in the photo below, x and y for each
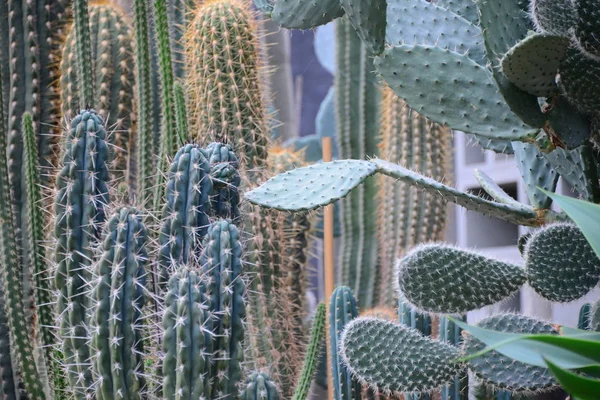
(118, 301)
(113, 44)
(406, 215)
(79, 207)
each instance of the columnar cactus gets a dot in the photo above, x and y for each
(117, 319)
(407, 216)
(260, 386)
(225, 175)
(112, 42)
(79, 208)
(449, 332)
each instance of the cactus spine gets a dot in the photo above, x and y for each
(225, 175)
(119, 298)
(112, 45)
(406, 215)
(83, 49)
(357, 115)
(260, 386)
(79, 208)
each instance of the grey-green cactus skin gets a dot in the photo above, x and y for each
(180, 13)
(302, 14)
(185, 213)
(342, 310)
(595, 316)
(357, 113)
(585, 314)
(225, 175)
(259, 386)
(117, 319)
(451, 333)
(79, 208)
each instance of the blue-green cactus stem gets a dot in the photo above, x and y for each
(117, 318)
(84, 54)
(225, 175)
(260, 386)
(449, 332)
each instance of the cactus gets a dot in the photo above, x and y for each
(342, 310)
(302, 14)
(584, 322)
(595, 316)
(449, 332)
(406, 216)
(180, 13)
(112, 43)
(225, 175)
(79, 208)
(185, 214)
(312, 356)
(117, 319)
(225, 30)
(259, 386)
(357, 118)
(369, 20)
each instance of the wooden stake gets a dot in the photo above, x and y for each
(328, 264)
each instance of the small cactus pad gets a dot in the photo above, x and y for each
(561, 265)
(418, 22)
(501, 372)
(587, 28)
(492, 188)
(495, 145)
(464, 8)
(537, 173)
(556, 17)
(450, 88)
(532, 63)
(393, 358)
(578, 168)
(259, 386)
(368, 17)
(443, 279)
(580, 81)
(305, 14)
(311, 187)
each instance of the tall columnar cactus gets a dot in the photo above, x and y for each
(312, 356)
(260, 386)
(407, 216)
(113, 66)
(180, 15)
(223, 77)
(80, 201)
(118, 297)
(185, 214)
(451, 333)
(357, 114)
(225, 175)
(342, 310)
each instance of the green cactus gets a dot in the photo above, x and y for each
(259, 386)
(342, 310)
(181, 112)
(369, 20)
(302, 14)
(225, 175)
(83, 51)
(406, 216)
(357, 119)
(185, 213)
(595, 316)
(221, 263)
(112, 42)
(449, 332)
(537, 173)
(311, 359)
(79, 210)
(584, 322)
(586, 28)
(180, 14)
(117, 320)
(552, 16)
(187, 343)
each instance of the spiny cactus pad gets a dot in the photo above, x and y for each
(578, 168)
(580, 81)
(492, 188)
(556, 17)
(393, 358)
(500, 371)
(305, 14)
(450, 88)
(587, 28)
(464, 8)
(259, 386)
(561, 265)
(311, 187)
(537, 173)
(368, 17)
(532, 64)
(443, 279)
(418, 22)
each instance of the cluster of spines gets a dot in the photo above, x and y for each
(225, 175)
(407, 216)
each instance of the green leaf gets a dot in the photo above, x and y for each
(580, 386)
(586, 215)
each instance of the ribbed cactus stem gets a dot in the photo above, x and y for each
(225, 175)
(181, 113)
(311, 358)
(79, 207)
(145, 134)
(449, 332)
(117, 319)
(84, 53)
(259, 386)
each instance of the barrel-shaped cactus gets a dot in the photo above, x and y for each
(79, 208)
(113, 65)
(118, 300)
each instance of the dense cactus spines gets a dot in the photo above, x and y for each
(79, 207)
(407, 216)
(423, 278)
(225, 175)
(117, 320)
(342, 310)
(221, 263)
(405, 361)
(499, 371)
(185, 214)
(560, 263)
(186, 339)
(112, 70)
(357, 115)
(259, 386)
(223, 77)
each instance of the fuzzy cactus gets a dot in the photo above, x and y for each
(406, 216)
(259, 386)
(79, 207)
(112, 43)
(185, 214)
(117, 316)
